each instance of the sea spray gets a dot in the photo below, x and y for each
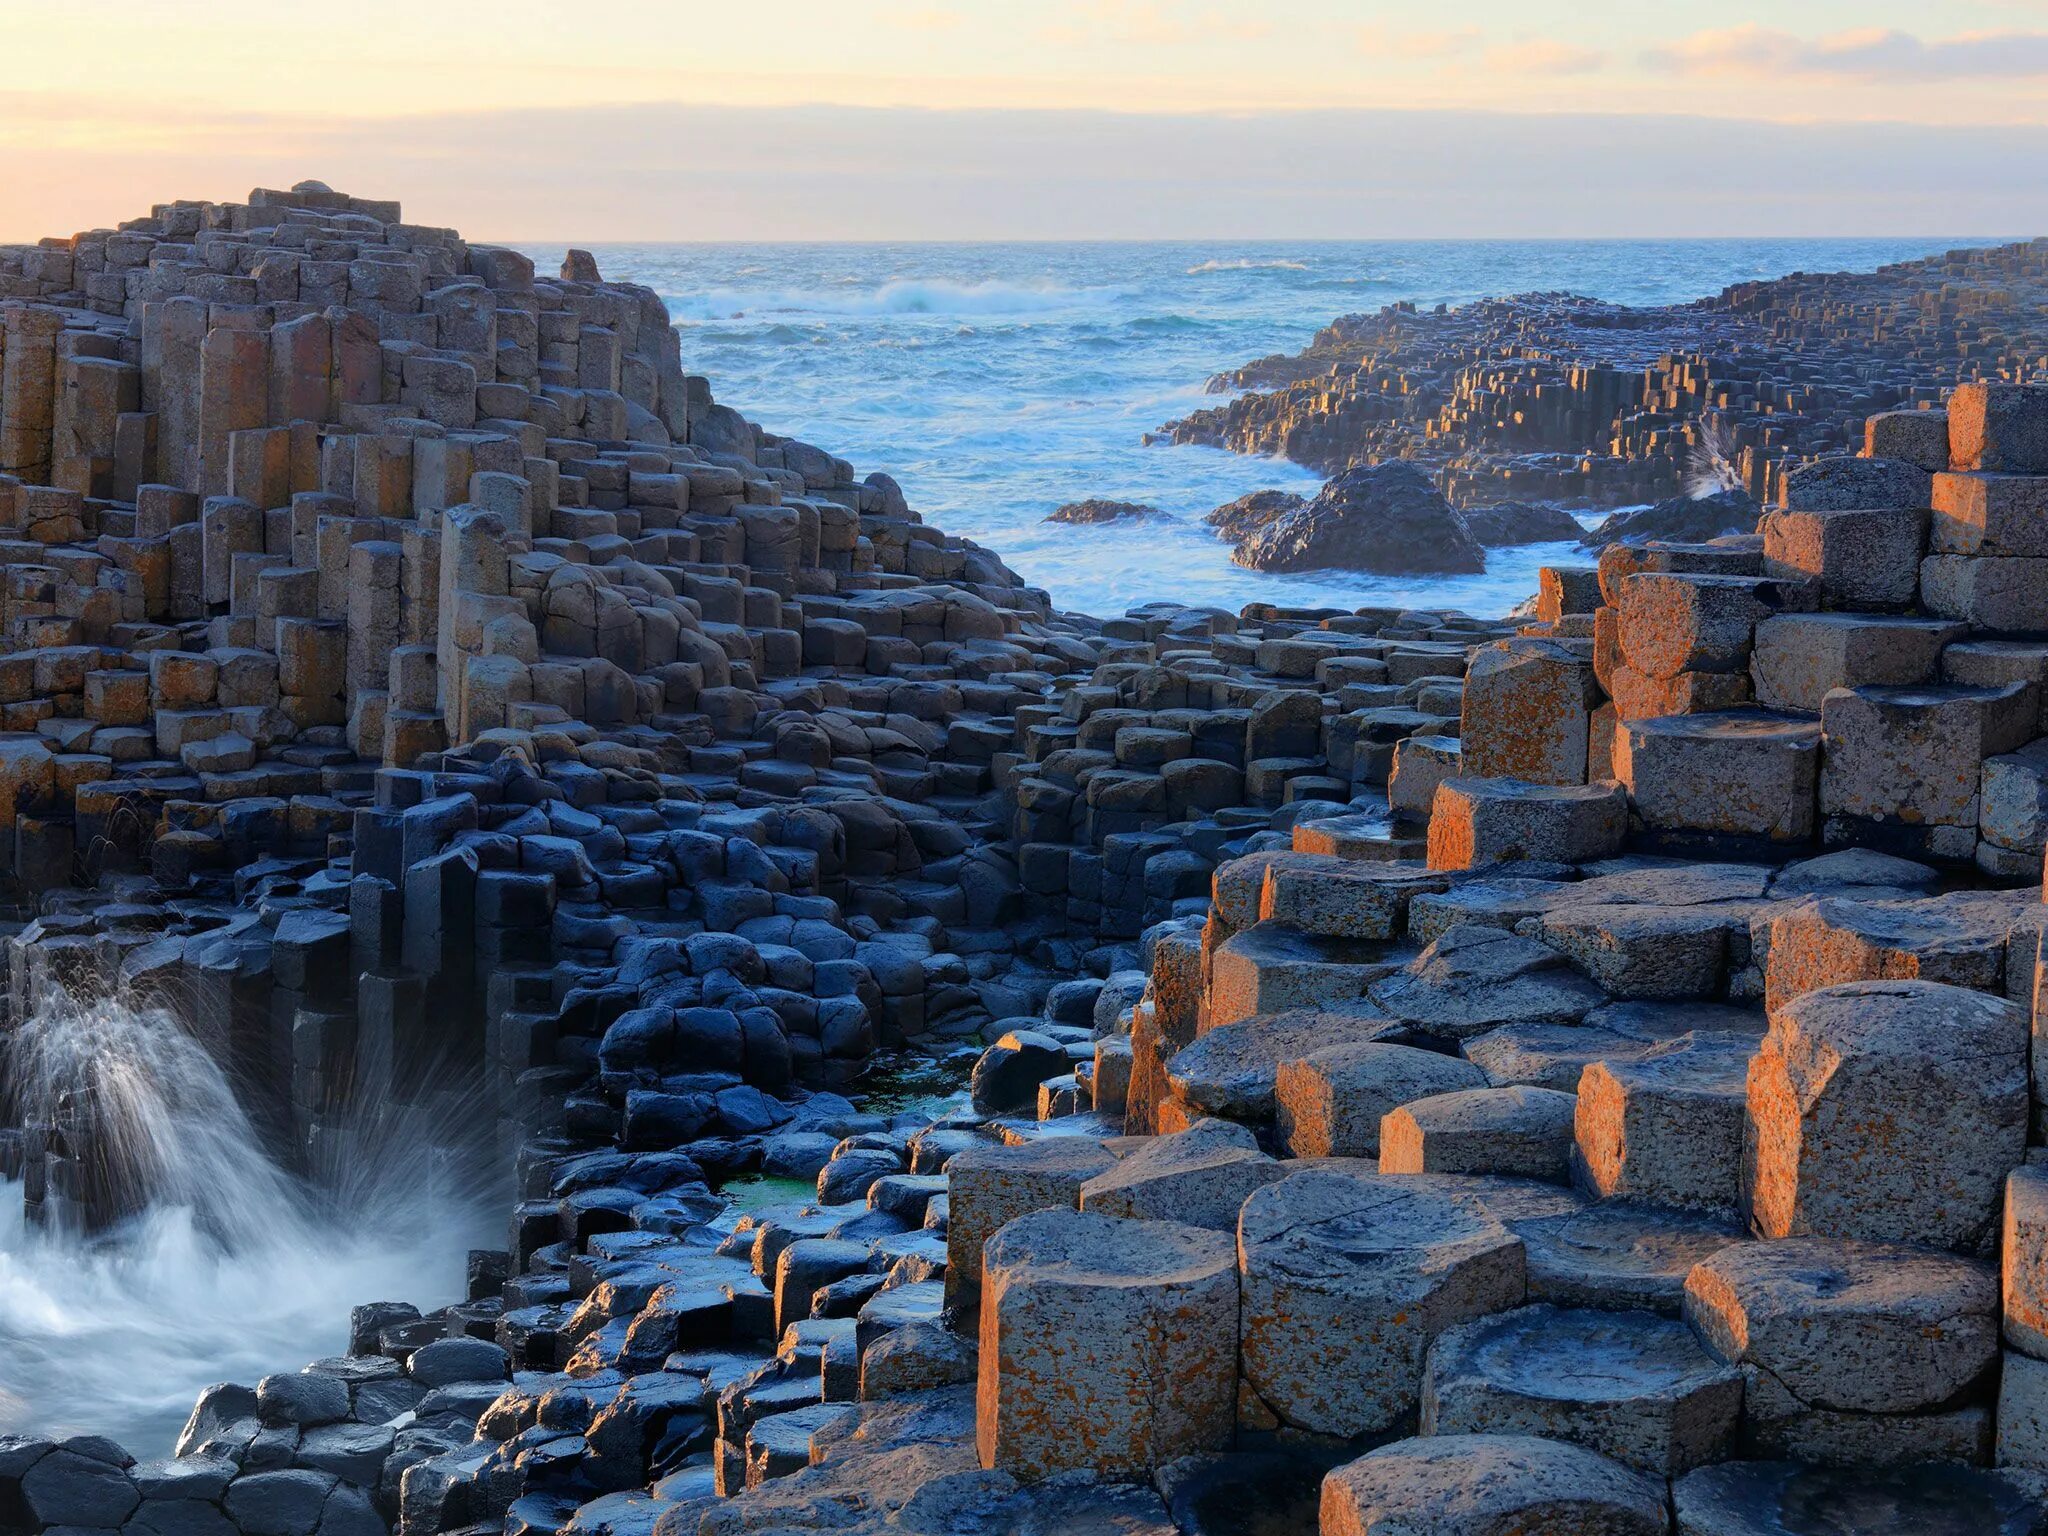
(1710, 464)
(220, 1264)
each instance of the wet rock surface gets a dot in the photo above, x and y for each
(1388, 519)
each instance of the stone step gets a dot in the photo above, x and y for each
(1666, 1128)
(1901, 767)
(1887, 1110)
(1331, 1102)
(1516, 1131)
(1064, 1295)
(1346, 1281)
(1490, 1483)
(1473, 979)
(1200, 1176)
(1720, 783)
(1783, 1498)
(1633, 1386)
(1229, 1071)
(1800, 657)
(1853, 1351)
(1856, 557)
(990, 1185)
(1615, 1255)
(1984, 940)
(1341, 898)
(1494, 821)
(1271, 967)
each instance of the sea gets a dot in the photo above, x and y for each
(997, 382)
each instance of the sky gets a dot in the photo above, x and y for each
(1003, 119)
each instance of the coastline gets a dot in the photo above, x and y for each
(422, 676)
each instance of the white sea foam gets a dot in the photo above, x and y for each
(229, 1268)
(898, 296)
(1246, 264)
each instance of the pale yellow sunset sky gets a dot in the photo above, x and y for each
(1008, 118)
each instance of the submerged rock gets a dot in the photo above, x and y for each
(1682, 519)
(1095, 510)
(1235, 520)
(1520, 522)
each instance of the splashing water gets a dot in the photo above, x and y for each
(1710, 466)
(227, 1267)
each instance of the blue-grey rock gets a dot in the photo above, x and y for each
(451, 1360)
(184, 1477)
(67, 1487)
(288, 1502)
(301, 1398)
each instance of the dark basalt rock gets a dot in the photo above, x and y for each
(1686, 519)
(1095, 511)
(1386, 518)
(1520, 522)
(1235, 520)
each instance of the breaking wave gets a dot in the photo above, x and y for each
(902, 296)
(1247, 264)
(226, 1266)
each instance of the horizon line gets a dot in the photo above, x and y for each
(1969, 240)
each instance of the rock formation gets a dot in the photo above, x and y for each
(1418, 1072)
(1552, 397)
(1387, 519)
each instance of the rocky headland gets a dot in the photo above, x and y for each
(1551, 397)
(1390, 1071)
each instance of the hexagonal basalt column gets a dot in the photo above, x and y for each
(1489, 1485)
(1887, 1110)
(1630, 1385)
(1106, 1345)
(1346, 1282)
(1852, 1351)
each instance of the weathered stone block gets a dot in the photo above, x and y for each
(1492, 1483)
(1330, 1103)
(1887, 1111)
(1999, 427)
(1913, 755)
(993, 1185)
(1346, 1281)
(1106, 1346)
(1860, 560)
(1666, 1127)
(1630, 1385)
(1800, 658)
(1526, 706)
(1491, 821)
(1742, 773)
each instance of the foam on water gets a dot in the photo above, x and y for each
(229, 1268)
(998, 381)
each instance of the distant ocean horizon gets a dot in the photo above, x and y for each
(997, 381)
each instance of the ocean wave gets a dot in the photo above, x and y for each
(900, 296)
(1246, 264)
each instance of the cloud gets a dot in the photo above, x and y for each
(1152, 23)
(1545, 56)
(1390, 42)
(930, 18)
(636, 171)
(1869, 54)
(1524, 56)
